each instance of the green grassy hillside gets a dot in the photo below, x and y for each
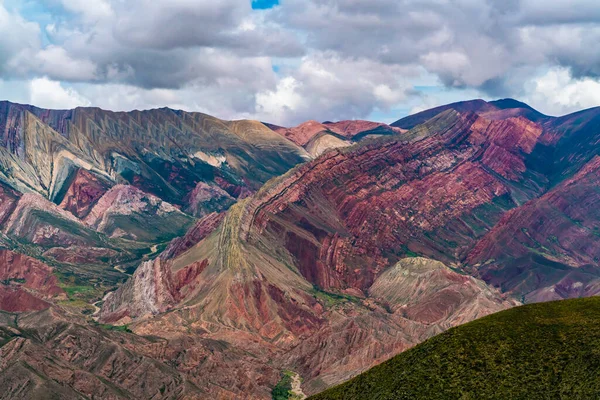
(538, 351)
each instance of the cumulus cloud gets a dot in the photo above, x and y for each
(466, 43)
(327, 87)
(557, 92)
(317, 59)
(44, 92)
(90, 10)
(18, 39)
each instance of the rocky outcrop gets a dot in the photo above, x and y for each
(127, 212)
(205, 199)
(25, 283)
(83, 193)
(37, 221)
(429, 292)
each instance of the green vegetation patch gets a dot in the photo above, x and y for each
(330, 299)
(117, 328)
(537, 351)
(283, 390)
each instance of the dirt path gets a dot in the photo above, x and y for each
(121, 270)
(296, 388)
(96, 308)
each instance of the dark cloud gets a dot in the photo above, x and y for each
(466, 43)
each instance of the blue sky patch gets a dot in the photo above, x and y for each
(264, 4)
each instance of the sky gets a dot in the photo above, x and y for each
(288, 61)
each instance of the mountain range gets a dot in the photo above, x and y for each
(167, 254)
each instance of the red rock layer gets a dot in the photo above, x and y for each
(17, 299)
(8, 202)
(548, 248)
(201, 229)
(25, 283)
(83, 193)
(354, 213)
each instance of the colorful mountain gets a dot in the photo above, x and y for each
(250, 262)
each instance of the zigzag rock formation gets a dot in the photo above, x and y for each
(325, 268)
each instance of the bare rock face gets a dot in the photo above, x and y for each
(349, 215)
(127, 212)
(25, 283)
(163, 152)
(547, 248)
(8, 202)
(38, 221)
(429, 292)
(83, 193)
(205, 199)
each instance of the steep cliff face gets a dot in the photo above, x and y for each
(127, 212)
(84, 191)
(350, 214)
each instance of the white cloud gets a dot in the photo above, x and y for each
(90, 10)
(557, 93)
(56, 62)
(334, 59)
(18, 39)
(326, 87)
(46, 93)
(277, 105)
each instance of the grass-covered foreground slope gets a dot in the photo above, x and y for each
(537, 351)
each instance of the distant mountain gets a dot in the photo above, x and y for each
(499, 109)
(318, 137)
(536, 351)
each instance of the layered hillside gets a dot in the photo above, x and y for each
(318, 138)
(163, 152)
(93, 193)
(536, 351)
